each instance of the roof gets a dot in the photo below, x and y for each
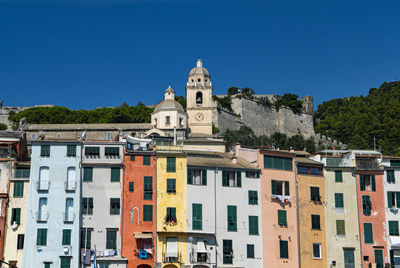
(168, 105)
(199, 69)
(11, 134)
(304, 160)
(390, 157)
(82, 127)
(203, 139)
(215, 159)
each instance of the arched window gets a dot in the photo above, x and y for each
(199, 98)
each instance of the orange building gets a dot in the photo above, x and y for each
(139, 209)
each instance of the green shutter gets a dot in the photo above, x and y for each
(132, 158)
(45, 150)
(398, 199)
(171, 186)
(273, 187)
(189, 176)
(197, 217)
(390, 176)
(283, 249)
(239, 179)
(267, 161)
(253, 225)
(282, 218)
(66, 238)
(373, 183)
(287, 192)
(131, 186)
(18, 215)
(41, 237)
(362, 182)
(71, 150)
(111, 239)
(65, 262)
(366, 205)
(389, 199)
(146, 160)
(394, 228)
(148, 188)
(339, 200)
(232, 218)
(87, 173)
(115, 174)
(315, 222)
(18, 188)
(171, 164)
(287, 164)
(204, 177)
(227, 252)
(340, 227)
(224, 178)
(147, 212)
(338, 176)
(253, 198)
(368, 233)
(250, 251)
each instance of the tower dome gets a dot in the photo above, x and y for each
(199, 69)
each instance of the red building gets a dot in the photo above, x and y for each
(139, 207)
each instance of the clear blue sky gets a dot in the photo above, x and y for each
(95, 53)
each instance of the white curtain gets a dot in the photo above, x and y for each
(42, 208)
(71, 178)
(69, 206)
(44, 178)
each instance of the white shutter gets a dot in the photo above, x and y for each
(71, 178)
(172, 247)
(44, 178)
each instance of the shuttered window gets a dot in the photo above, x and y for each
(115, 174)
(391, 199)
(204, 177)
(20, 241)
(146, 160)
(314, 194)
(111, 240)
(148, 188)
(45, 151)
(41, 237)
(366, 204)
(147, 212)
(114, 206)
(132, 157)
(87, 205)
(171, 186)
(339, 200)
(92, 152)
(287, 191)
(253, 225)
(238, 179)
(66, 237)
(338, 176)
(111, 151)
(16, 215)
(87, 174)
(232, 218)
(189, 176)
(86, 237)
(253, 198)
(283, 249)
(18, 189)
(390, 176)
(65, 262)
(340, 227)
(368, 233)
(197, 216)
(250, 251)
(367, 182)
(277, 162)
(224, 178)
(227, 251)
(171, 215)
(282, 218)
(394, 228)
(131, 186)
(71, 150)
(315, 222)
(171, 164)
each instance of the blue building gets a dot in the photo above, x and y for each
(52, 221)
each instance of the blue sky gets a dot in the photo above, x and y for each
(88, 54)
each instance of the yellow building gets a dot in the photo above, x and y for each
(171, 207)
(311, 211)
(16, 215)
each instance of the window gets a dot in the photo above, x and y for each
(87, 205)
(339, 200)
(338, 176)
(42, 211)
(316, 171)
(368, 233)
(167, 120)
(70, 183)
(146, 160)
(252, 174)
(199, 98)
(132, 157)
(253, 198)
(280, 188)
(86, 237)
(171, 215)
(92, 152)
(316, 250)
(314, 192)
(87, 174)
(197, 176)
(111, 152)
(282, 218)
(43, 184)
(231, 178)
(22, 172)
(45, 151)
(395, 163)
(114, 206)
(227, 251)
(197, 216)
(131, 186)
(71, 150)
(283, 249)
(171, 164)
(367, 182)
(340, 227)
(302, 170)
(65, 262)
(253, 225)
(250, 251)
(315, 222)
(41, 237)
(366, 204)
(115, 174)
(20, 241)
(111, 240)
(66, 237)
(147, 212)
(16, 216)
(393, 198)
(148, 188)
(171, 186)
(277, 162)
(232, 218)
(394, 228)
(104, 265)
(18, 189)
(69, 210)
(390, 176)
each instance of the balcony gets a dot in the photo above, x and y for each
(369, 164)
(170, 259)
(200, 257)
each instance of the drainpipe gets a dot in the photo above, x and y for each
(215, 214)
(297, 216)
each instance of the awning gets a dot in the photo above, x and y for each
(201, 248)
(395, 241)
(143, 235)
(172, 247)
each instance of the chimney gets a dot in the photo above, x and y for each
(234, 157)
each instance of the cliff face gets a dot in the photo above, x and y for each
(263, 120)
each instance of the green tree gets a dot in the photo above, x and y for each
(248, 92)
(181, 100)
(3, 126)
(232, 91)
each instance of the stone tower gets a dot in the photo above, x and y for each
(199, 100)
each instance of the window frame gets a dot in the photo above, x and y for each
(319, 251)
(115, 206)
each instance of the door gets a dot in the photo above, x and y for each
(348, 258)
(378, 258)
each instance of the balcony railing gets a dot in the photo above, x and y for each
(42, 185)
(69, 217)
(366, 165)
(42, 217)
(22, 173)
(70, 186)
(200, 257)
(172, 259)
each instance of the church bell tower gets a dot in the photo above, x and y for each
(199, 100)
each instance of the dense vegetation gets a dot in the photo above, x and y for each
(356, 121)
(63, 115)
(246, 137)
(3, 126)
